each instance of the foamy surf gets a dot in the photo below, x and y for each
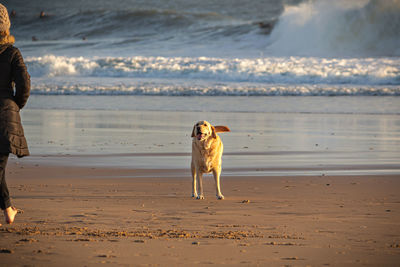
(285, 70)
(215, 76)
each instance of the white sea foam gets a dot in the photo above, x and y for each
(292, 70)
(264, 76)
(178, 89)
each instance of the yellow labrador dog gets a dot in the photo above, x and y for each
(207, 151)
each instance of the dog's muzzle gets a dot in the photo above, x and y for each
(199, 135)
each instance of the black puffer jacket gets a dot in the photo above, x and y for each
(13, 74)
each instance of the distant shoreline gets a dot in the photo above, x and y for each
(99, 165)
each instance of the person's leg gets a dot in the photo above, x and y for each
(5, 202)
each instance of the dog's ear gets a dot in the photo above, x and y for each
(221, 129)
(193, 133)
(214, 133)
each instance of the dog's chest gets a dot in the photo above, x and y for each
(203, 159)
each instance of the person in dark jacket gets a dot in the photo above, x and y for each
(14, 93)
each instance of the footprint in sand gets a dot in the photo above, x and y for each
(78, 216)
(6, 251)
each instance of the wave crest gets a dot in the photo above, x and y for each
(344, 28)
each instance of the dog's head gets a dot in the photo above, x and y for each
(203, 130)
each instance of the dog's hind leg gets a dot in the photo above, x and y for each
(194, 182)
(217, 173)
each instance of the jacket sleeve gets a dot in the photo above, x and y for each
(21, 79)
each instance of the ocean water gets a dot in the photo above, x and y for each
(307, 87)
(223, 48)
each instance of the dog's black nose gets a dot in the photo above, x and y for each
(198, 129)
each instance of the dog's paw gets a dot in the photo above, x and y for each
(220, 197)
(194, 196)
(200, 197)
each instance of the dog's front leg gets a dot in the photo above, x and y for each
(200, 177)
(194, 182)
(217, 173)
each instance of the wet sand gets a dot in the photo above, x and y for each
(258, 144)
(86, 216)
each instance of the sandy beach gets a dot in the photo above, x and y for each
(113, 187)
(86, 217)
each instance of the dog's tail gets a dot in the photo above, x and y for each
(221, 129)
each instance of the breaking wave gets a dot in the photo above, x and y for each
(215, 76)
(323, 28)
(338, 28)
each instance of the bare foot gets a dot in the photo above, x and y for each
(10, 213)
